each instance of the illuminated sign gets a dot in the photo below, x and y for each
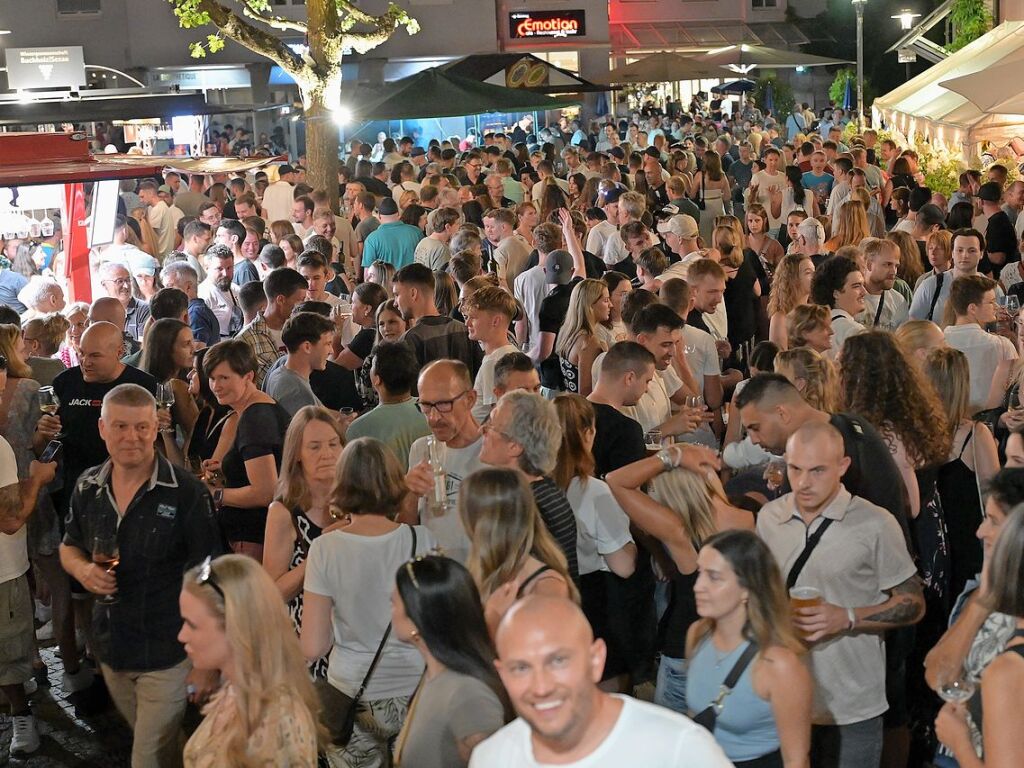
(526, 24)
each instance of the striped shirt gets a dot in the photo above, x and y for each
(558, 519)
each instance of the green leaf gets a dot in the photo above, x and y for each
(197, 51)
(214, 43)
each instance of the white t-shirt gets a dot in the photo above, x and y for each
(765, 181)
(644, 735)
(221, 303)
(844, 326)
(358, 573)
(13, 548)
(484, 384)
(701, 354)
(602, 528)
(531, 288)
(599, 235)
(984, 352)
(458, 464)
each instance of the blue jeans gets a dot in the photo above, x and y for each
(670, 690)
(857, 745)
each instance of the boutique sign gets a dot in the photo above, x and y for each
(527, 24)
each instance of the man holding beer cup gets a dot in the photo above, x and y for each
(851, 578)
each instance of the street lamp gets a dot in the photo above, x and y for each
(859, 7)
(906, 18)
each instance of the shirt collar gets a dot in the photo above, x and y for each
(163, 474)
(836, 510)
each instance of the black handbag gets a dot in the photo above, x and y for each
(338, 709)
(709, 715)
(699, 202)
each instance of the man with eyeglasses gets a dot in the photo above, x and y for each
(117, 282)
(446, 399)
(136, 524)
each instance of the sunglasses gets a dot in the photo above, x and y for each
(205, 575)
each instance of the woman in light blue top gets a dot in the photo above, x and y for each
(764, 720)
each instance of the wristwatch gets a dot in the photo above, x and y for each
(852, 616)
(218, 498)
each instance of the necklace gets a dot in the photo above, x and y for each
(720, 657)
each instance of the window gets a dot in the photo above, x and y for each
(567, 60)
(763, 3)
(78, 7)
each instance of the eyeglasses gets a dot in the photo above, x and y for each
(487, 426)
(441, 406)
(410, 565)
(120, 281)
(205, 576)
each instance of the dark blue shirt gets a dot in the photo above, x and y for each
(205, 326)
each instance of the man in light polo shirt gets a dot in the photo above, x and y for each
(680, 234)
(990, 357)
(868, 583)
(393, 241)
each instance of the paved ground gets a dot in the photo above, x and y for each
(67, 740)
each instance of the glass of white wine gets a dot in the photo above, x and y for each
(957, 691)
(165, 399)
(49, 404)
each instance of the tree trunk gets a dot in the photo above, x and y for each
(320, 101)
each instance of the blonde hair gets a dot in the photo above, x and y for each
(369, 480)
(580, 321)
(913, 335)
(497, 510)
(947, 370)
(802, 319)
(292, 490)
(945, 238)
(691, 498)
(729, 246)
(821, 382)
(272, 673)
(785, 292)
(16, 368)
(910, 268)
(851, 226)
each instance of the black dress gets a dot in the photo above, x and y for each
(742, 307)
(958, 488)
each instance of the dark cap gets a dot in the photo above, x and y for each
(284, 170)
(558, 267)
(388, 207)
(653, 152)
(611, 196)
(418, 152)
(990, 192)
(931, 215)
(617, 152)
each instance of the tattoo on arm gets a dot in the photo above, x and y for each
(904, 603)
(10, 501)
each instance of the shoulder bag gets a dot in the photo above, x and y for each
(699, 202)
(709, 715)
(338, 709)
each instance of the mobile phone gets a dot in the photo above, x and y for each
(51, 452)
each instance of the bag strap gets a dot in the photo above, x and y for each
(383, 640)
(734, 676)
(974, 454)
(935, 296)
(812, 542)
(881, 306)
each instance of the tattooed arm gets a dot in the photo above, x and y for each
(905, 606)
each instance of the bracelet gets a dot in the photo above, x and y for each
(852, 615)
(666, 460)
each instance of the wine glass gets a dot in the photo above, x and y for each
(165, 398)
(956, 691)
(49, 404)
(106, 554)
(1012, 306)
(696, 402)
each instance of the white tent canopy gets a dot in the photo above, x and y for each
(922, 105)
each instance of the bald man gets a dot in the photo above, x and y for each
(81, 390)
(107, 309)
(550, 665)
(854, 554)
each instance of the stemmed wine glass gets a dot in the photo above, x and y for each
(165, 399)
(106, 554)
(49, 404)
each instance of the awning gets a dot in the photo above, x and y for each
(501, 68)
(745, 56)
(685, 36)
(27, 159)
(922, 105)
(203, 165)
(664, 68)
(123, 108)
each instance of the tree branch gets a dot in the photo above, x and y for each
(254, 38)
(384, 27)
(357, 14)
(275, 22)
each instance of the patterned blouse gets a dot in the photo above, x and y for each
(285, 737)
(307, 531)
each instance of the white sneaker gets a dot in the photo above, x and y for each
(79, 681)
(25, 739)
(45, 632)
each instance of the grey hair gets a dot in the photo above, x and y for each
(37, 289)
(533, 424)
(107, 269)
(130, 395)
(182, 270)
(810, 229)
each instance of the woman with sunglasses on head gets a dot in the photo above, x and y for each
(77, 315)
(347, 589)
(436, 608)
(265, 714)
(300, 512)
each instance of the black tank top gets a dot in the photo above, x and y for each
(958, 489)
(681, 613)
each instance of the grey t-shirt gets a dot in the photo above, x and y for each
(365, 227)
(291, 391)
(432, 253)
(449, 708)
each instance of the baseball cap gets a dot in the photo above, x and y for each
(652, 152)
(388, 207)
(284, 170)
(990, 192)
(418, 152)
(680, 225)
(611, 196)
(618, 153)
(141, 263)
(164, 188)
(558, 267)
(931, 215)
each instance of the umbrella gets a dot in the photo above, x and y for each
(434, 93)
(769, 98)
(736, 86)
(743, 58)
(662, 68)
(849, 99)
(991, 89)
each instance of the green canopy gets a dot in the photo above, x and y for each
(433, 93)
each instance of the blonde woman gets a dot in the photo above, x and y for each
(579, 342)
(77, 315)
(911, 268)
(849, 227)
(742, 602)
(939, 249)
(712, 186)
(278, 230)
(973, 460)
(810, 325)
(685, 506)
(265, 714)
(768, 250)
(790, 289)
(511, 553)
(917, 339)
(528, 218)
(813, 374)
(300, 512)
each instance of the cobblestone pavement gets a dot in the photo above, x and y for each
(103, 741)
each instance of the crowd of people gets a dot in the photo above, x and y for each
(642, 445)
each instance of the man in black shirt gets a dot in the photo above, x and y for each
(999, 234)
(626, 371)
(558, 271)
(151, 521)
